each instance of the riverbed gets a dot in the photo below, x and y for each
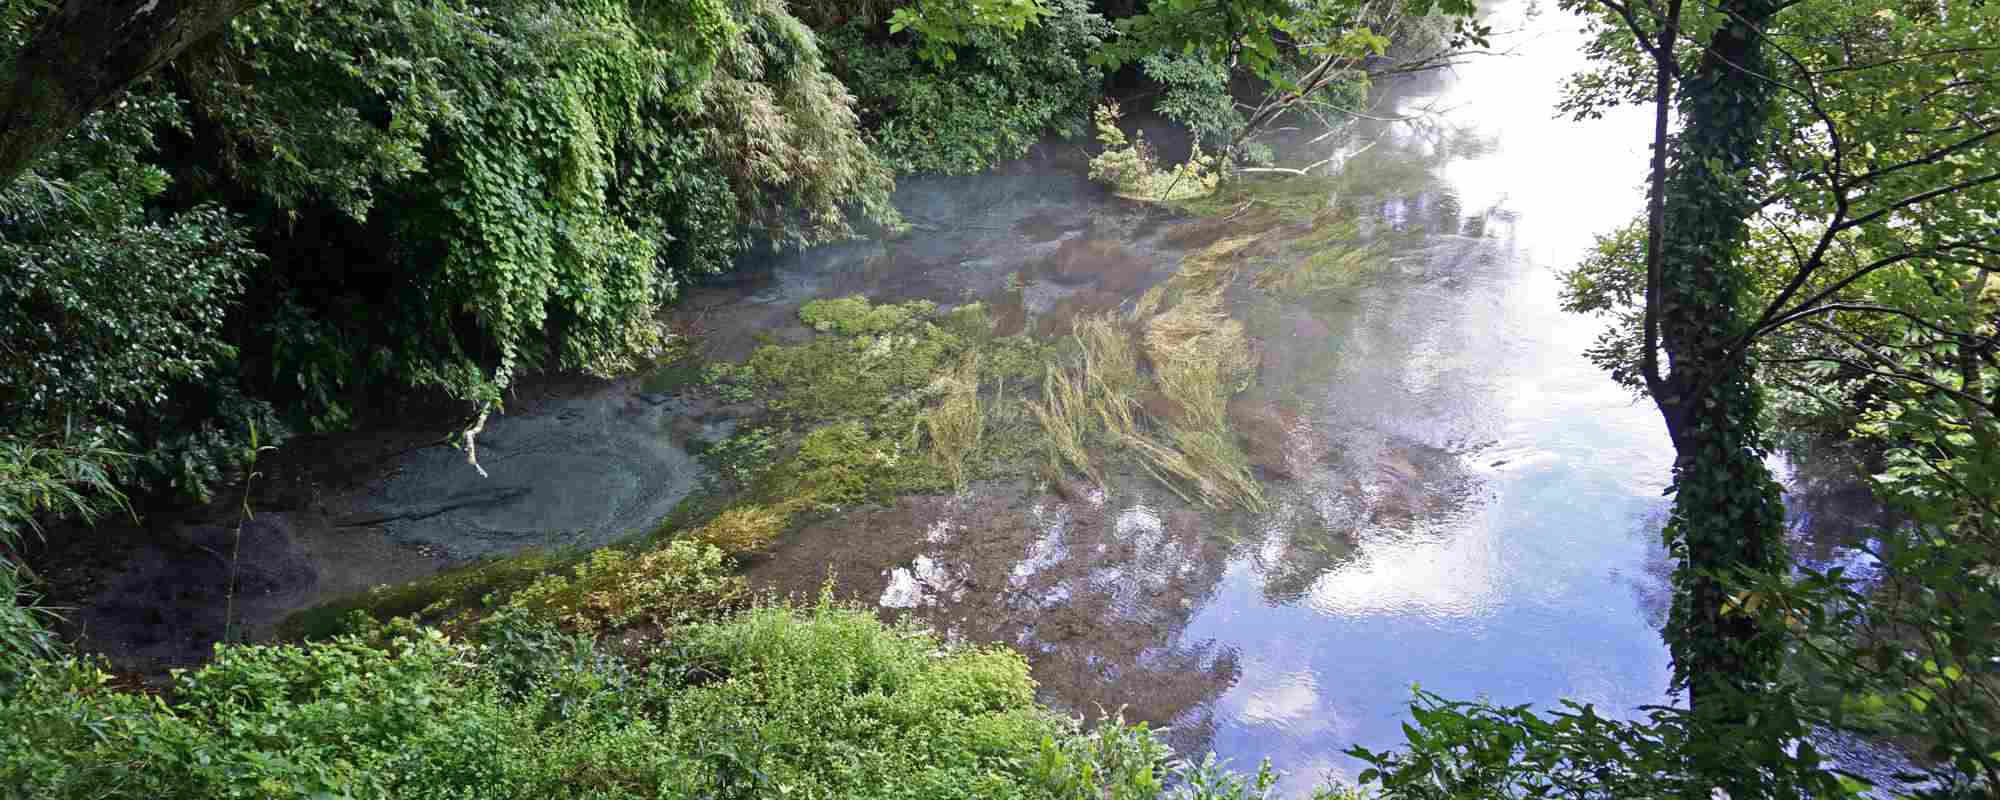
(1473, 507)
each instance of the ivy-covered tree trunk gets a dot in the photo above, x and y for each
(1727, 513)
(84, 55)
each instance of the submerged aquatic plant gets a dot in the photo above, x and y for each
(1110, 369)
(1324, 263)
(1065, 416)
(958, 422)
(1200, 357)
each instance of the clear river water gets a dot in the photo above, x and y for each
(1457, 498)
(1478, 508)
(1467, 503)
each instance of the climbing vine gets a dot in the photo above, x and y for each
(541, 176)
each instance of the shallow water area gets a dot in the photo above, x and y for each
(1457, 499)
(1450, 494)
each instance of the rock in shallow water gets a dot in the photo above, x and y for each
(580, 471)
(170, 600)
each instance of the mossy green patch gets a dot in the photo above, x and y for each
(676, 369)
(845, 464)
(1016, 360)
(864, 376)
(854, 315)
(671, 377)
(436, 598)
(971, 322)
(742, 457)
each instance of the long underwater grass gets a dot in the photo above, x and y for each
(958, 421)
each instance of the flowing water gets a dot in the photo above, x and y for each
(1460, 500)
(1472, 506)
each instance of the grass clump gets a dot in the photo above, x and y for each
(1111, 368)
(1200, 357)
(1212, 268)
(1094, 401)
(957, 423)
(1065, 417)
(1333, 259)
(675, 584)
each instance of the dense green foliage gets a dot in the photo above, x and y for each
(1312, 59)
(818, 702)
(1822, 273)
(1461, 750)
(997, 95)
(115, 316)
(344, 199)
(338, 201)
(548, 172)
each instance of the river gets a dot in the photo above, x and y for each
(1481, 510)
(1456, 498)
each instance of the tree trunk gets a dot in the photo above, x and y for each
(1727, 513)
(85, 55)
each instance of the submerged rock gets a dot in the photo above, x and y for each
(1273, 438)
(169, 602)
(1112, 266)
(578, 471)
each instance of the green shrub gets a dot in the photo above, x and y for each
(113, 314)
(1128, 165)
(811, 702)
(843, 707)
(999, 94)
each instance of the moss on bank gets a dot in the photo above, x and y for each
(435, 598)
